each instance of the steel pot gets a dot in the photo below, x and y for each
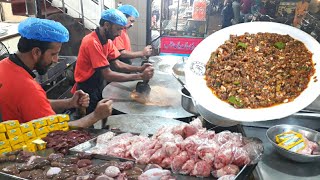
(186, 101)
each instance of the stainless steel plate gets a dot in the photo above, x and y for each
(164, 89)
(308, 133)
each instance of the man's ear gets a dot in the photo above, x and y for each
(107, 24)
(36, 53)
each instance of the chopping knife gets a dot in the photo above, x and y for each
(144, 87)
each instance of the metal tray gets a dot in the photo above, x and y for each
(87, 146)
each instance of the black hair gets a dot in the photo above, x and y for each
(127, 15)
(102, 21)
(26, 45)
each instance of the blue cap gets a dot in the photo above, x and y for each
(129, 10)
(115, 16)
(43, 30)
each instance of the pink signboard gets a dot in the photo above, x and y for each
(179, 45)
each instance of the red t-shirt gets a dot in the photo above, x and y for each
(122, 42)
(21, 97)
(93, 55)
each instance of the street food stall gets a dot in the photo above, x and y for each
(183, 26)
(156, 137)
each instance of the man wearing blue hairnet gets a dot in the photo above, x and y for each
(123, 43)
(22, 98)
(97, 52)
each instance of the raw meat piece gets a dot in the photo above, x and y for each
(162, 131)
(254, 149)
(152, 166)
(53, 171)
(104, 138)
(145, 157)
(201, 169)
(154, 174)
(196, 123)
(179, 161)
(240, 157)
(227, 136)
(207, 152)
(171, 149)
(167, 177)
(227, 177)
(191, 144)
(229, 169)
(309, 147)
(158, 156)
(166, 137)
(187, 167)
(112, 171)
(204, 134)
(189, 130)
(122, 176)
(166, 162)
(224, 155)
(125, 165)
(103, 177)
(178, 130)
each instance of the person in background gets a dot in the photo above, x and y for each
(97, 53)
(123, 43)
(245, 10)
(227, 14)
(22, 98)
(300, 12)
(236, 12)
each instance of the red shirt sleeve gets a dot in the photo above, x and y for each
(113, 52)
(119, 43)
(34, 105)
(97, 55)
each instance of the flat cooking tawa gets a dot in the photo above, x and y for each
(164, 99)
(139, 123)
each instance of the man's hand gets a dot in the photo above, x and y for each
(147, 51)
(79, 99)
(144, 66)
(147, 73)
(103, 109)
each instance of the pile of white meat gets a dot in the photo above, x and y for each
(187, 149)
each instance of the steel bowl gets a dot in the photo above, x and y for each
(310, 134)
(186, 101)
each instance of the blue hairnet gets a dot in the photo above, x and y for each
(43, 30)
(129, 10)
(115, 16)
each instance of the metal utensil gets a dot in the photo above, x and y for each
(310, 134)
(178, 68)
(143, 87)
(214, 118)
(186, 99)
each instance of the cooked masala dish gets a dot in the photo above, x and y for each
(259, 70)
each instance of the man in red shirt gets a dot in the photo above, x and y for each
(97, 53)
(21, 97)
(123, 43)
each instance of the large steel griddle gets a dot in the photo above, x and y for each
(135, 123)
(120, 93)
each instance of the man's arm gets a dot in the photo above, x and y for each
(79, 99)
(123, 67)
(147, 51)
(103, 110)
(131, 55)
(112, 76)
(59, 105)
